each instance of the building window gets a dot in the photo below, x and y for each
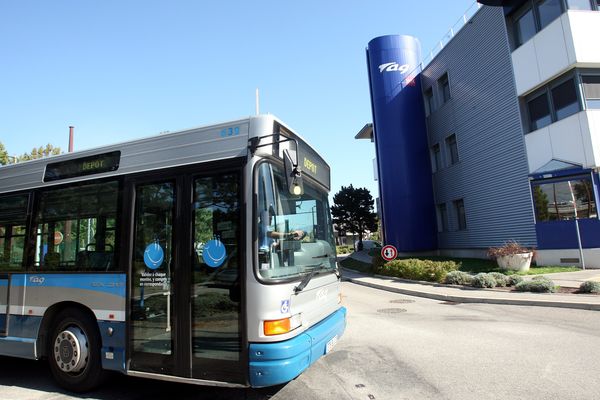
(548, 11)
(552, 103)
(553, 200)
(591, 90)
(436, 157)
(452, 149)
(524, 27)
(444, 85)
(442, 217)
(461, 219)
(428, 95)
(535, 15)
(564, 99)
(579, 5)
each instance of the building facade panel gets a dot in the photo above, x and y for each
(483, 113)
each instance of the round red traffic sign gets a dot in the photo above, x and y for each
(389, 252)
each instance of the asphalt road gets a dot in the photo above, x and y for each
(401, 347)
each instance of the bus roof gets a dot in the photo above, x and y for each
(206, 143)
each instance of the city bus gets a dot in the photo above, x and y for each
(202, 256)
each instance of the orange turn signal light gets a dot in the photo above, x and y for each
(277, 327)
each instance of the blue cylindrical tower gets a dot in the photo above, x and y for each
(405, 185)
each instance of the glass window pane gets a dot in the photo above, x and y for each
(548, 11)
(295, 234)
(452, 149)
(442, 218)
(437, 159)
(445, 87)
(152, 289)
(459, 206)
(539, 112)
(13, 213)
(73, 232)
(579, 4)
(554, 202)
(564, 98)
(429, 101)
(216, 288)
(525, 27)
(591, 90)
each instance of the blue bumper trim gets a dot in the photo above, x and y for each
(280, 362)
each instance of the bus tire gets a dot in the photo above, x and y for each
(74, 351)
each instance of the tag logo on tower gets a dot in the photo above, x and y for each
(394, 67)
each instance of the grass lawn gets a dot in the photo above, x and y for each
(471, 265)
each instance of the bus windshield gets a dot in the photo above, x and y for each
(295, 235)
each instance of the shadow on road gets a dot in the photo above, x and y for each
(32, 380)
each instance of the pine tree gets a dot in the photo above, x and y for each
(352, 211)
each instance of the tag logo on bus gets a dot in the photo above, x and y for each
(394, 67)
(38, 280)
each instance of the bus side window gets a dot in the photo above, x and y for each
(13, 212)
(76, 228)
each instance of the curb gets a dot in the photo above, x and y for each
(485, 300)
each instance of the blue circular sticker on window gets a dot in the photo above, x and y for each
(214, 253)
(154, 255)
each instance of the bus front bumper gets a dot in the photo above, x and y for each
(280, 362)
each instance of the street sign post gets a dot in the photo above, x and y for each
(389, 252)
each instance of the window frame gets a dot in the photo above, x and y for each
(461, 217)
(442, 213)
(26, 237)
(36, 221)
(428, 101)
(533, 6)
(451, 142)
(547, 90)
(436, 157)
(443, 84)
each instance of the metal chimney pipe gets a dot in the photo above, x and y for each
(71, 138)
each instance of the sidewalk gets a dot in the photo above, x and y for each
(461, 294)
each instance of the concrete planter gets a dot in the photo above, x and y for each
(515, 262)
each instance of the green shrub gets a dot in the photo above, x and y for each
(514, 280)
(378, 262)
(343, 249)
(501, 279)
(589, 287)
(539, 284)
(458, 278)
(416, 269)
(484, 280)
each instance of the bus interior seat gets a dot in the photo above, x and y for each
(95, 260)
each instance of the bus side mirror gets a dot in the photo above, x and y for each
(293, 175)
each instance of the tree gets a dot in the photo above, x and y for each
(40, 152)
(352, 211)
(3, 155)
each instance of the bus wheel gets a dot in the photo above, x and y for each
(74, 351)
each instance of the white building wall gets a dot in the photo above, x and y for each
(569, 41)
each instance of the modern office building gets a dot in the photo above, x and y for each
(496, 138)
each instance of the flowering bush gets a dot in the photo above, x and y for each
(508, 249)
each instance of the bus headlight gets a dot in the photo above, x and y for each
(282, 326)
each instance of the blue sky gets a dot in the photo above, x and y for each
(119, 70)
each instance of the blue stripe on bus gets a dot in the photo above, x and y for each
(108, 283)
(280, 362)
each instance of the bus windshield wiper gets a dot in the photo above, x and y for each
(307, 279)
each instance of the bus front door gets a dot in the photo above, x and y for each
(186, 315)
